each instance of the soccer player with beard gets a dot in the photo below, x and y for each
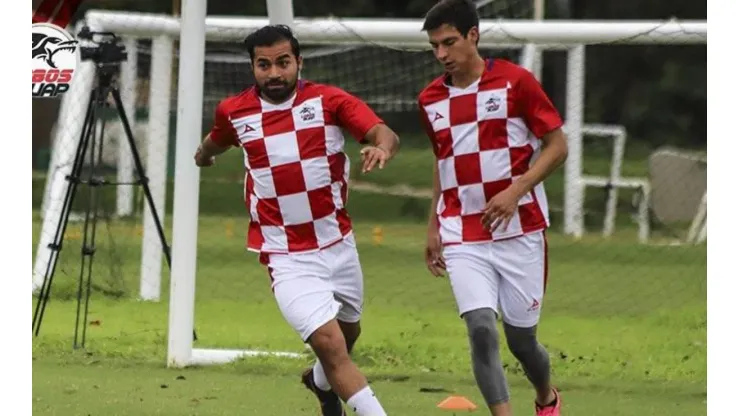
(296, 194)
(496, 137)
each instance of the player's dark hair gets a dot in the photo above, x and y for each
(270, 35)
(460, 14)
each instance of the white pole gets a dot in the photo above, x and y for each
(125, 165)
(156, 165)
(615, 175)
(549, 34)
(539, 15)
(699, 221)
(644, 214)
(539, 9)
(66, 141)
(280, 12)
(573, 203)
(185, 209)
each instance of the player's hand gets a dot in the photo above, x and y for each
(500, 209)
(433, 253)
(372, 156)
(202, 161)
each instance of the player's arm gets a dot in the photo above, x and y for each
(436, 193)
(436, 188)
(433, 253)
(366, 127)
(220, 139)
(544, 122)
(384, 138)
(210, 147)
(554, 152)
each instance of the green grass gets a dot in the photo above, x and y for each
(625, 324)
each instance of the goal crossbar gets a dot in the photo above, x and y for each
(406, 33)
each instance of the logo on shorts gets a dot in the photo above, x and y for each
(534, 307)
(53, 60)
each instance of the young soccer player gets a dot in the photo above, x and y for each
(296, 192)
(496, 137)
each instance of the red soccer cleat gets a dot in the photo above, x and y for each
(551, 410)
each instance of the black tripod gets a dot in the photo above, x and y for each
(105, 56)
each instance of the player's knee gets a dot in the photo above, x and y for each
(521, 341)
(329, 345)
(481, 324)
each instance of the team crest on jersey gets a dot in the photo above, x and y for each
(493, 104)
(307, 113)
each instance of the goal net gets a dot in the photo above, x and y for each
(605, 188)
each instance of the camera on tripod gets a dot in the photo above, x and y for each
(107, 52)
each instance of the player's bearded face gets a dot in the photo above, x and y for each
(276, 71)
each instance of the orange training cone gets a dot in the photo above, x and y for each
(457, 403)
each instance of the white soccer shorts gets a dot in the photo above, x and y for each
(313, 288)
(508, 276)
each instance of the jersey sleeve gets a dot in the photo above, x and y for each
(222, 131)
(353, 114)
(539, 113)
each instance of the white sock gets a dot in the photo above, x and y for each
(319, 377)
(364, 403)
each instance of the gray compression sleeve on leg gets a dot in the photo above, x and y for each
(531, 354)
(486, 358)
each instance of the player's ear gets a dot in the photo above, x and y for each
(299, 60)
(474, 34)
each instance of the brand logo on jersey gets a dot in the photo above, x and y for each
(437, 116)
(247, 128)
(493, 104)
(307, 113)
(53, 60)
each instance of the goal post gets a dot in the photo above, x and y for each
(563, 35)
(187, 184)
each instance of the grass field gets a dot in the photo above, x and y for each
(625, 324)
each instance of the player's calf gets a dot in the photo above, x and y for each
(534, 359)
(345, 378)
(351, 332)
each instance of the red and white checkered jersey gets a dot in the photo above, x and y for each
(484, 137)
(296, 169)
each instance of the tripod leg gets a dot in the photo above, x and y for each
(141, 173)
(89, 248)
(73, 181)
(143, 179)
(88, 240)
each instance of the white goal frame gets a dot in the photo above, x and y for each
(193, 30)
